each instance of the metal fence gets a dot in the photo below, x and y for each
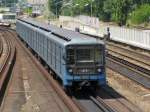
(135, 37)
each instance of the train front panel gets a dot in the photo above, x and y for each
(85, 65)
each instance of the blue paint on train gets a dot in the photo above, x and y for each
(74, 57)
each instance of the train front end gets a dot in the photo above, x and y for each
(85, 65)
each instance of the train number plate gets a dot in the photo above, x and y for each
(84, 77)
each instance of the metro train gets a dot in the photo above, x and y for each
(77, 59)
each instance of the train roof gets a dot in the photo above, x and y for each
(71, 37)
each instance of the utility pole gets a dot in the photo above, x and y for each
(91, 6)
(56, 11)
(5, 3)
(56, 4)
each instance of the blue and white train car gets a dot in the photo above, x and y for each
(75, 58)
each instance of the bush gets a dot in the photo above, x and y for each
(141, 14)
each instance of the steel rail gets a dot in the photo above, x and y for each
(146, 72)
(105, 104)
(130, 53)
(114, 95)
(5, 61)
(131, 62)
(129, 72)
(101, 104)
(6, 67)
(91, 97)
(1, 46)
(138, 73)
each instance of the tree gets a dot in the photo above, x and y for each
(81, 8)
(55, 6)
(98, 10)
(118, 10)
(140, 2)
(141, 14)
(107, 10)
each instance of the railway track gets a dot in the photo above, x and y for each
(122, 61)
(1, 46)
(89, 103)
(130, 53)
(93, 104)
(7, 61)
(130, 62)
(101, 104)
(103, 100)
(117, 102)
(127, 71)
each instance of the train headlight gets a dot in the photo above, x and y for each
(70, 70)
(99, 70)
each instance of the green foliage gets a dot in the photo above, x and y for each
(108, 6)
(28, 10)
(141, 14)
(47, 13)
(107, 10)
(75, 7)
(67, 12)
(118, 10)
(55, 6)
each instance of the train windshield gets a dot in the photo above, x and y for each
(88, 55)
(85, 55)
